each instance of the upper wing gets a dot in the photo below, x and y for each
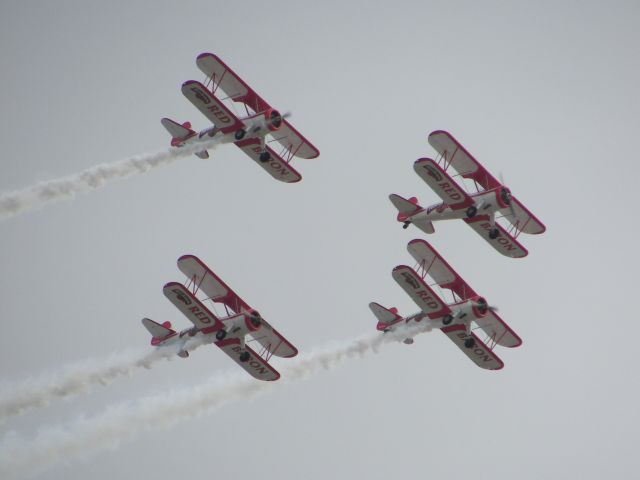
(229, 82)
(294, 142)
(506, 244)
(203, 278)
(458, 157)
(497, 330)
(256, 366)
(237, 89)
(273, 341)
(191, 307)
(524, 220)
(420, 292)
(276, 166)
(479, 354)
(211, 107)
(438, 268)
(441, 183)
(218, 291)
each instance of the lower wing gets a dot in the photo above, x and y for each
(477, 351)
(255, 365)
(504, 243)
(275, 166)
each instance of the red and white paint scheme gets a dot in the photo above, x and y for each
(229, 331)
(491, 200)
(260, 131)
(467, 314)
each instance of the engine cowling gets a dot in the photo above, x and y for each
(273, 119)
(475, 307)
(503, 196)
(253, 321)
(480, 307)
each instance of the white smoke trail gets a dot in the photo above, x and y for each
(79, 378)
(20, 457)
(38, 195)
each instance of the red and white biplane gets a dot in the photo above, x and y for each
(256, 132)
(228, 332)
(459, 320)
(480, 209)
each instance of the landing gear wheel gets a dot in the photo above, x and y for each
(471, 211)
(447, 319)
(240, 133)
(265, 157)
(244, 357)
(470, 342)
(406, 225)
(220, 334)
(494, 233)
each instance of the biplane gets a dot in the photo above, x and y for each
(459, 320)
(480, 209)
(260, 131)
(229, 331)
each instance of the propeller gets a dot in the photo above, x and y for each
(505, 193)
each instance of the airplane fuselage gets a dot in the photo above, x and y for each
(484, 203)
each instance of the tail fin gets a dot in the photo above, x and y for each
(405, 207)
(408, 208)
(157, 331)
(386, 316)
(175, 129)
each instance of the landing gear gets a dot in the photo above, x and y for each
(220, 334)
(471, 211)
(470, 342)
(447, 319)
(265, 157)
(244, 357)
(406, 224)
(240, 133)
(494, 233)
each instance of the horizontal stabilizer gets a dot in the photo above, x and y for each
(478, 352)
(175, 129)
(386, 317)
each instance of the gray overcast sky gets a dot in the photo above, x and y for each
(544, 92)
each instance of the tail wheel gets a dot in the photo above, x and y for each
(471, 211)
(244, 357)
(220, 334)
(447, 319)
(265, 157)
(240, 133)
(470, 342)
(494, 233)
(406, 225)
